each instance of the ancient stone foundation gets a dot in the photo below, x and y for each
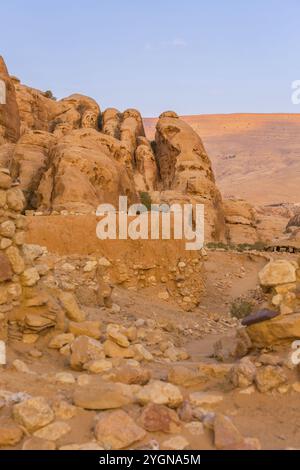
(32, 301)
(14, 274)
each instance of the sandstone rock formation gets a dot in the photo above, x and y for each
(30, 160)
(72, 157)
(9, 112)
(185, 170)
(241, 221)
(86, 168)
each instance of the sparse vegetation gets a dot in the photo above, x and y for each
(49, 94)
(241, 308)
(258, 246)
(146, 200)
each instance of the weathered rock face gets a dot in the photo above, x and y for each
(9, 112)
(186, 169)
(29, 162)
(40, 112)
(131, 127)
(111, 122)
(240, 218)
(36, 110)
(146, 177)
(87, 168)
(6, 154)
(75, 112)
(72, 157)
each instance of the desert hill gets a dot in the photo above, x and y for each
(254, 156)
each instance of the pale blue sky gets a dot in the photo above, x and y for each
(193, 56)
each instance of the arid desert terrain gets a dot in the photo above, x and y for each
(142, 344)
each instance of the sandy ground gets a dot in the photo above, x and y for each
(273, 418)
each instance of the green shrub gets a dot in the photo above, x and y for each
(50, 95)
(146, 200)
(241, 308)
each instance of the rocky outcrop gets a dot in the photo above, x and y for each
(38, 111)
(72, 157)
(241, 221)
(86, 169)
(75, 112)
(30, 160)
(185, 169)
(111, 122)
(131, 128)
(35, 108)
(146, 175)
(280, 279)
(9, 112)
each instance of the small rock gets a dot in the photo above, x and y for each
(7, 229)
(98, 367)
(69, 302)
(160, 393)
(30, 277)
(117, 430)
(61, 340)
(92, 329)
(141, 353)
(227, 435)
(33, 413)
(83, 380)
(104, 262)
(130, 375)
(87, 446)
(64, 410)
(195, 428)
(200, 399)
(10, 434)
(54, 431)
(65, 378)
(90, 266)
(269, 377)
(164, 295)
(104, 396)
(115, 309)
(84, 350)
(159, 418)
(113, 350)
(114, 334)
(20, 366)
(242, 374)
(34, 443)
(175, 443)
(187, 377)
(185, 412)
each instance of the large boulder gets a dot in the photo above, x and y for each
(278, 272)
(280, 329)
